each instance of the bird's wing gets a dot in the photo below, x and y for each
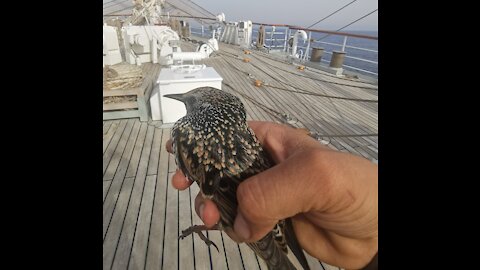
(271, 252)
(188, 163)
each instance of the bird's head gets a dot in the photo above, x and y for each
(190, 100)
(209, 99)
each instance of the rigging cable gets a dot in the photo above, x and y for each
(198, 8)
(349, 24)
(270, 110)
(332, 13)
(115, 4)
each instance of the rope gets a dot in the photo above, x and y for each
(305, 92)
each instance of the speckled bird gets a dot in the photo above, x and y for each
(214, 147)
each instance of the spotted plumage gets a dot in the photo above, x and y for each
(214, 147)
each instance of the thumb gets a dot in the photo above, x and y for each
(277, 193)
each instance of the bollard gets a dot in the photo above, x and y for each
(316, 55)
(337, 59)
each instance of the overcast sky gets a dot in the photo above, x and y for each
(298, 12)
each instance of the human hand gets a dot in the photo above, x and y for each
(331, 196)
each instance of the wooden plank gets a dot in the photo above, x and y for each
(155, 242)
(112, 230)
(135, 158)
(185, 246)
(122, 92)
(288, 101)
(248, 257)
(106, 185)
(294, 260)
(335, 90)
(232, 253)
(124, 246)
(108, 136)
(143, 100)
(139, 249)
(312, 262)
(339, 126)
(120, 106)
(108, 152)
(303, 81)
(170, 243)
(219, 260)
(328, 266)
(172, 166)
(124, 146)
(106, 127)
(201, 252)
(156, 148)
(120, 114)
(113, 194)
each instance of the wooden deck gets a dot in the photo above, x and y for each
(143, 214)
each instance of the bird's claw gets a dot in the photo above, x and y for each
(198, 230)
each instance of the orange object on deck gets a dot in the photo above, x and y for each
(258, 83)
(246, 60)
(301, 67)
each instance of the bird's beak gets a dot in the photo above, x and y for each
(178, 97)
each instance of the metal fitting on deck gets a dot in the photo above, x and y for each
(301, 67)
(317, 53)
(337, 59)
(258, 83)
(246, 60)
(247, 52)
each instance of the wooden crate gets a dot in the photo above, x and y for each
(131, 109)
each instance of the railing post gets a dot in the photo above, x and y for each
(344, 43)
(271, 37)
(202, 29)
(305, 57)
(286, 39)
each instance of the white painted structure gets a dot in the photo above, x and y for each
(298, 34)
(148, 43)
(203, 51)
(238, 33)
(244, 34)
(179, 80)
(111, 48)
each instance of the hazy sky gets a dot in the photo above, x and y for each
(298, 12)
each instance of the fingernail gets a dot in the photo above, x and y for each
(241, 227)
(200, 209)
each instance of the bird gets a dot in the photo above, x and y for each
(214, 147)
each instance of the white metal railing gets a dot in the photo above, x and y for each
(277, 38)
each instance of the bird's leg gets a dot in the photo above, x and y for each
(198, 230)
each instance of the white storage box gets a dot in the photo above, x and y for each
(179, 80)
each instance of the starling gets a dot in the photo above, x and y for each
(214, 147)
